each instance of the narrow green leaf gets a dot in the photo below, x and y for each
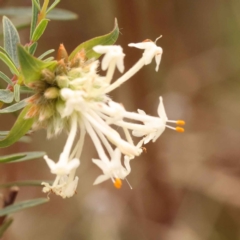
(33, 48)
(9, 63)
(29, 183)
(6, 96)
(107, 39)
(48, 59)
(45, 54)
(24, 89)
(22, 205)
(15, 107)
(54, 4)
(19, 129)
(61, 14)
(35, 11)
(20, 157)
(5, 226)
(11, 39)
(17, 92)
(31, 67)
(6, 78)
(38, 32)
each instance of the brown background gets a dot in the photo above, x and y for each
(187, 186)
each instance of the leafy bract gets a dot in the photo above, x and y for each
(107, 39)
(31, 67)
(20, 128)
(22, 205)
(20, 157)
(11, 39)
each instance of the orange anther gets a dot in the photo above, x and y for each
(180, 122)
(179, 129)
(118, 183)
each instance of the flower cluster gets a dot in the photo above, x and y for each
(83, 103)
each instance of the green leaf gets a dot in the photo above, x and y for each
(20, 157)
(19, 129)
(11, 39)
(6, 96)
(38, 32)
(55, 14)
(22, 205)
(17, 92)
(4, 57)
(54, 4)
(35, 11)
(29, 183)
(15, 107)
(107, 39)
(33, 48)
(62, 14)
(45, 54)
(31, 67)
(6, 78)
(5, 226)
(24, 89)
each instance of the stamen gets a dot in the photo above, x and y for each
(157, 39)
(118, 183)
(180, 129)
(180, 122)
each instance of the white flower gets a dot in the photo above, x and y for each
(62, 167)
(112, 53)
(113, 169)
(156, 126)
(151, 51)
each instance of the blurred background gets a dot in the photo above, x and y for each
(187, 186)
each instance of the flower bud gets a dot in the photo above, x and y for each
(74, 73)
(48, 76)
(62, 81)
(51, 93)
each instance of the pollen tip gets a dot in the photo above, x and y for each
(118, 183)
(180, 122)
(180, 129)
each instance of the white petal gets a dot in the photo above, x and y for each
(141, 45)
(73, 164)
(71, 187)
(100, 164)
(120, 64)
(161, 110)
(101, 179)
(51, 164)
(116, 157)
(158, 57)
(100, 49)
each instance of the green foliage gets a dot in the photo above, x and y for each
(29, 183)
(22, 205)
(32, 48)
(6, 78)
(35, 10)
(38, 32)
(19, 129)
(20, 157)
(14, 107)
(8, 61)
(6, 96)
(11, 39)
(31, 67)
(45, 54)
(55, 14)
(107, 39)
(17, 92)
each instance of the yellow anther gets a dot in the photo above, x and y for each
(180, 122)
(179, 129)
(118, 183)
